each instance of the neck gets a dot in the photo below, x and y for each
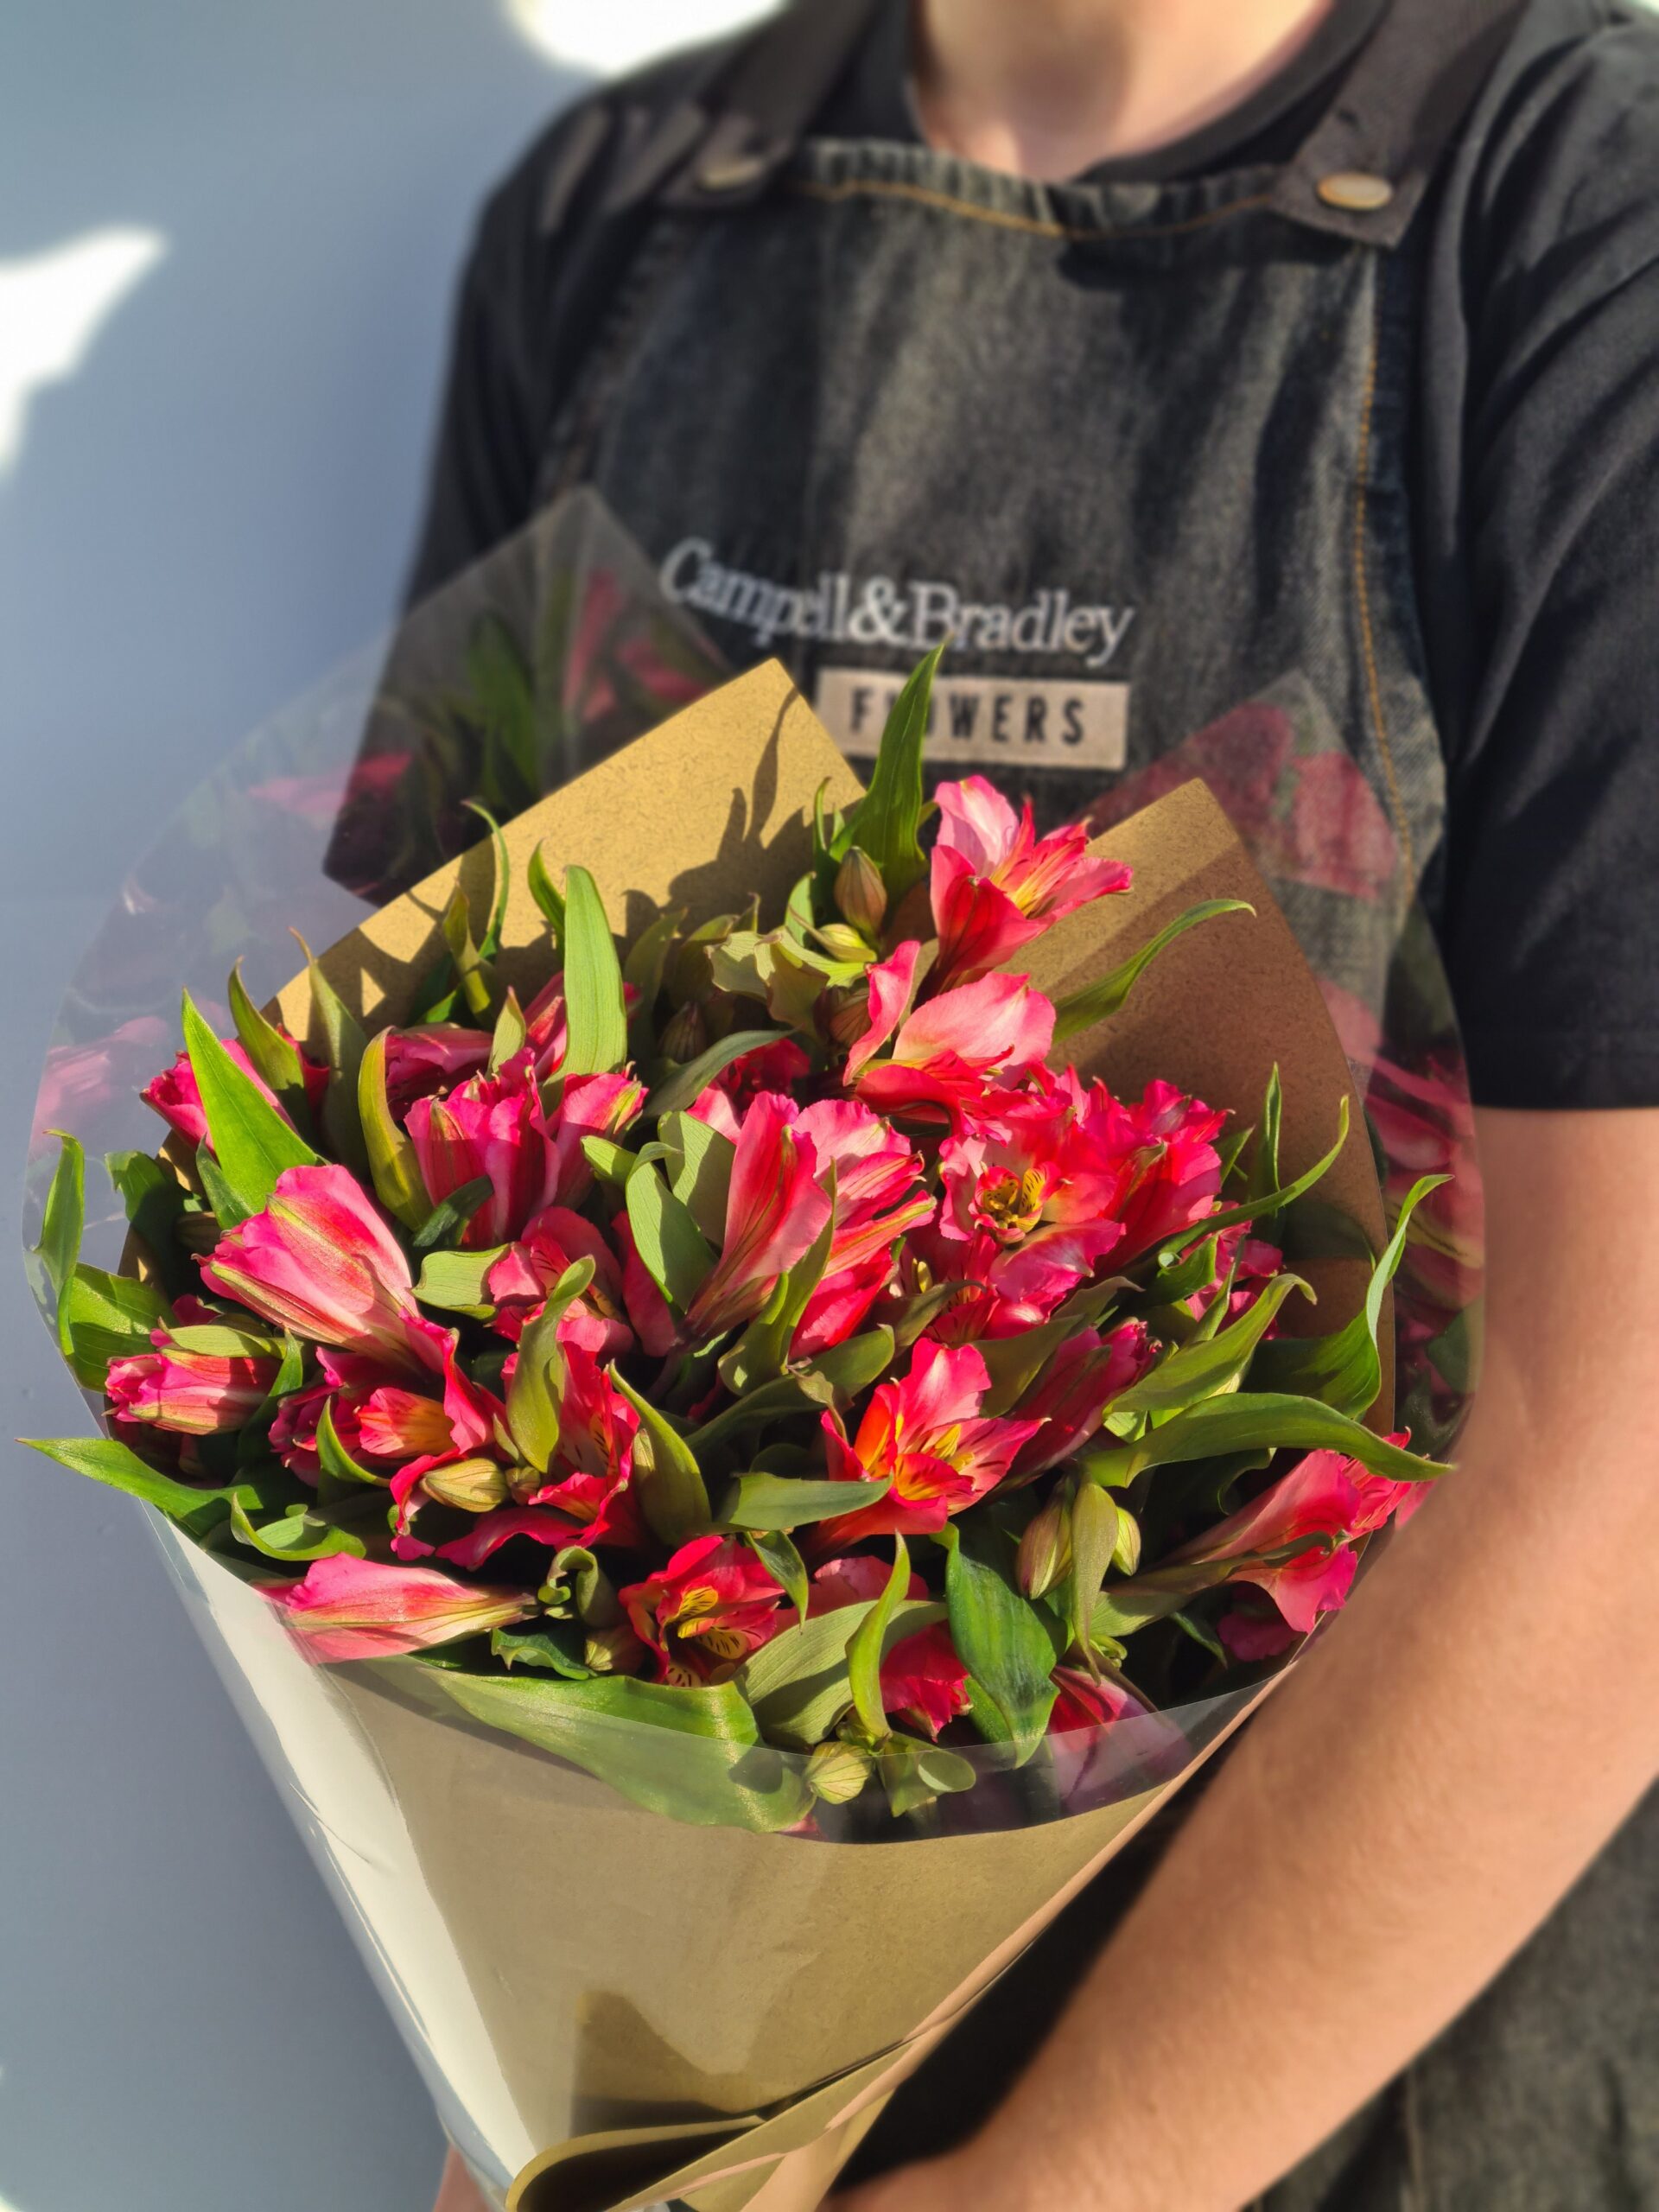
(1047, 88)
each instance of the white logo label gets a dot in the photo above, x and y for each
(840, 609)
(1009, 721)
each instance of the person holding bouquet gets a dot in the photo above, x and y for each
(1153, 357)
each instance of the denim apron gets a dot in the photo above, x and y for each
(1138, 451)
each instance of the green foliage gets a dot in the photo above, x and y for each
(598, 1026)
(1097, 1001)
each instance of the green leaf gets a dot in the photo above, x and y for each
(251, 1140)
(913, 1773)
(222, 1202)
(61, 1231)
(886, 820)
(1264, 1167)
(274, 1057)
(772, 1547)
(643, 969)
(866, 1647)
(853, 1365)
(702, 1159)
(447, 1220)
(799, 1683)
(779, 1502)
(510, 1035)
(196, 1511)
(154, 1201)
(669, 1244)
(1344, 1369)
(666, 1475)
(474, 977)
(1260, 1209)
(1246, 1421)
(693, 1754)
(537, 1391)
(798, 1392)
(611, 1162)
(227, 1340)
(458, 1282)
(922, 1309)
(491, 943)
(1094, 1540)
(1202, 1369)
(548, 897)
(107, 1317)
(686, 1083)
(393, 1164)
(1000, 1637)
(341, 1470)
(593, 982)
(1014, 1362)
(296, 1537)
(345, 1041)
(542, 1647)
(1097, 1001)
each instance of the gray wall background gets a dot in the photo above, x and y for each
(193, 527)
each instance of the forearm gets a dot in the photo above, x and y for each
(1398, 1818)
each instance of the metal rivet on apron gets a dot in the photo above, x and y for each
(1354, 190)
(732, 172)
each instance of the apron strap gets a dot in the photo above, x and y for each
(1363, 172)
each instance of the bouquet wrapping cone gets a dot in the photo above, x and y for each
(613, 2007)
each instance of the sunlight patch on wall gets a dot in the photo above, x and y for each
(610, 36)
(52, 306)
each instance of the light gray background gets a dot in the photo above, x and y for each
(193, 526)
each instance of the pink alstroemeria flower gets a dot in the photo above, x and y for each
(321, 1261)
(1073, 1391)
(358, 1609)
(175, 1096)
(190, 1393)
(922, 1682)
(775, 1209)
(1162, 1150)
(1323, 1504)
(949, 1052)
(877, 1201)
(925, 1435)
(995, 884)
(704, 1612)
(428, 1062)
(519, 1283)
(494, 1126)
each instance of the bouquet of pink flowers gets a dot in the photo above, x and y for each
(771, 1373)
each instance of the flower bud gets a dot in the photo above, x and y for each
(614, 1651)
(844, 944)
(836, 1772)
(685, 1035)
(859, 892)
(846, 1013)
(1126, 1552)
(474, 1485)
(1044, 1555)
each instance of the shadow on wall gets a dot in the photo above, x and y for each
(228, 241)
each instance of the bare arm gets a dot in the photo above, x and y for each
(1413, 1802)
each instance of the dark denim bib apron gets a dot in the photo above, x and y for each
(1126, 435)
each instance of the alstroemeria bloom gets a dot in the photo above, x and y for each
(877, 1201)
(175, 1096)
(704, 1612)
(774, 1211)
(519, 1283)
(925, 1436)
(358, 1609)
(949, 1052)
(321, 1261)
(995, 885)
(1073, 1391)
(1163, 1147)
(191, 1393)
(922, 1682)
(1294, 1541)
(428, 1062)
(494, 1126)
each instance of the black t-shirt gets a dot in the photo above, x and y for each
(1534, 491)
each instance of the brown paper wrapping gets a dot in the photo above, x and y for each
(704, 2012)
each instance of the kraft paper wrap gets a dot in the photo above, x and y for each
(613, 2008)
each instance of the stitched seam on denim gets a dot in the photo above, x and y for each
(1031, 226)
(1361, 583)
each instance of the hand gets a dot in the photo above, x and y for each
(456, 2191)
(973, 2178)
